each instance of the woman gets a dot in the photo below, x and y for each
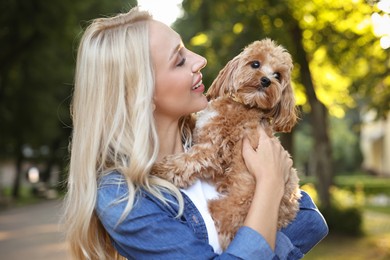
(135, 87)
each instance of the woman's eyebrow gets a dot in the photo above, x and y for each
(176, 50)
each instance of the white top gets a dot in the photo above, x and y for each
(199, 193)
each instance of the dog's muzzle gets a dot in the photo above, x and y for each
(265, 82)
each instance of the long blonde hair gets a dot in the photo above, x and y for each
(113, 126)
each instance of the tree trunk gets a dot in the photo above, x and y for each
(51, 161)
(287, 141)
(322, 154)
(18, 174)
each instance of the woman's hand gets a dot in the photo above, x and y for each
(270, 164)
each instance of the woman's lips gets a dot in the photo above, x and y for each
(199, 84)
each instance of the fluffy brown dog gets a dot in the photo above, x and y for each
(254, 88)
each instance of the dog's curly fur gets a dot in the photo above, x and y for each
(253, 88)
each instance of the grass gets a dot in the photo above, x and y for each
(25, 197)
(375, 244)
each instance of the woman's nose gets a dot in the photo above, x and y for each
(200, 63)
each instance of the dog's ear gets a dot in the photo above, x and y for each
(286, 113)
(224, 82)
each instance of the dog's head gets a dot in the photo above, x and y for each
(260, 76)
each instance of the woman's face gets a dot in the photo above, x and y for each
(178, 81)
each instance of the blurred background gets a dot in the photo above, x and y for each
(341, 78)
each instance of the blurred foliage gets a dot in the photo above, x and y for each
(346, 221)
(358, 183)
(370, 185)
(345, 214)
(351, 195)
(346, 60)
(36, 67)
(38, 42)
(345, 139)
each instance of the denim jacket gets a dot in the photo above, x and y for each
(152, 231)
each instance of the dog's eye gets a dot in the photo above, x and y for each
(255, 64)
(278, 76)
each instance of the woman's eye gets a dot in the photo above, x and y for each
(255, 64)
(181, 63)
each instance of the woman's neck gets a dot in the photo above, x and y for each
(169, 138)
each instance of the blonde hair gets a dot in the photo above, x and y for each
(113, 126)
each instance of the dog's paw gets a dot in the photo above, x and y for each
(163, 170)
(168, 170)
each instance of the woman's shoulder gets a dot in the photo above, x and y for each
(113, 196)
(111, 187)
(111, 178)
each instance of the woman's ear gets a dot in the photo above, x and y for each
(224, 82)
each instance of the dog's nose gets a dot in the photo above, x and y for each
(265, 82)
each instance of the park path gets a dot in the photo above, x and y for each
(32, 232)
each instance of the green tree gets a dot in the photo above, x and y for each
(38, 41)
(346, 64)
(346, 59)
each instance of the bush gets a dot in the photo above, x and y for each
(345, 214)
(371, 185)
(348, 221)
